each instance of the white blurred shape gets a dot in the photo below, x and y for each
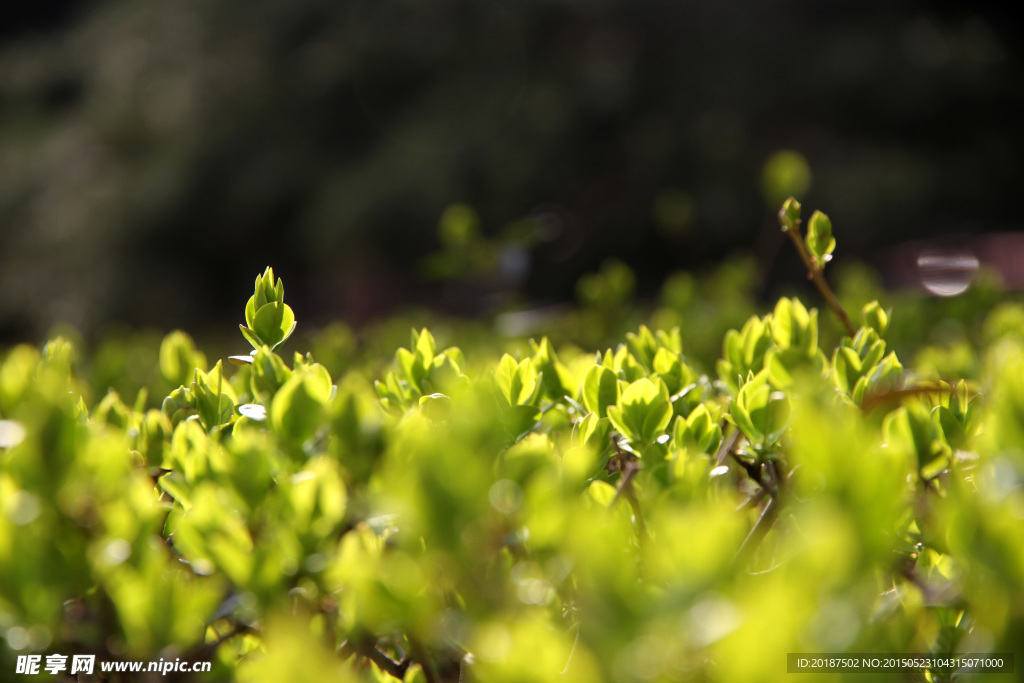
(945, 273)
(11, 433)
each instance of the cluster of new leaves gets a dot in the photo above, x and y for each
(542, 516)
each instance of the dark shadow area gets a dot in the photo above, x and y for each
(154, 157)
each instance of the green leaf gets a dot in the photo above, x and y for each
(820, 242)
(266, 291)
(784, 327)
(269, 373)
(250, 337)
(278, 289)
(250, 311)
(591, 431)
(443, 375)
(760, 413)
(670, 368)
(179, 358)
(639, 393)
(792, 327)
(789, 214)
(739, 416)
(698, 431)
(214, 397)
(773, 418)
(885, 375)
(643, 346)
(875, 317)
(659, 414)
(911, 428)
(952, 429)
(413, 371)
(252, 461)
(437, 407)
(154, 436)
(600, 390)
(780, 365)
(518, 421)
(319, 382)
(318, 498)
(269, 289)
(872, 355)
(732, 349)
(212, 531)
(645, 411)
(298, 407)
(846, 365)
(963, 404)
(589, 441)
(755, 338)
(623, 423)
(273, 323)
(601, 492)
(424, 345)
(556, 380)
(507, 377)
(855, 358)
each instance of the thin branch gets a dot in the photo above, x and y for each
(815, 274)
(898, 395)
(934, 593)
(572, 651)
(753, 501)
(931, 484)
(778, 476)
(753, 471)
(634, 504)
(425, 662)
(384, 661)
(776, 489)
(757, 534)
(346, 650)
(237, 629)
(627, 465)
(206, 650)
(728, 444)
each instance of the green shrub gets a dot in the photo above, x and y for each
(537, 516)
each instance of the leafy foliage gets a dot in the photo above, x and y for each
(524, 516)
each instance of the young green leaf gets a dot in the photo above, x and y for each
(269, 373)
(273, 324)
(179, 358)
(820, 242)
(644, 411)
(600, 390)
(875, 317)
(793, 327)
(789, 214)
(761, 414)
(518, 382)
(297, 409)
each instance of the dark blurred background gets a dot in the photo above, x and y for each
(155, 156)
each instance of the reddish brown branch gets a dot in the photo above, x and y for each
(815, 273)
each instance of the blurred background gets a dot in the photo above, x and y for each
(483, 157)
